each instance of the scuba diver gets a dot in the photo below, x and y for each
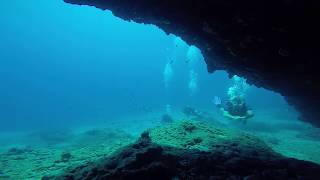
(235, 109)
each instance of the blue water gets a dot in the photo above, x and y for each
(65, 69)
(61, 65)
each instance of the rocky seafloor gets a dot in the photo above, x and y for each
(47, 153)
(194, 150)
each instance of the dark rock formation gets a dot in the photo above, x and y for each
(65, 156)
(19, 151)
(146, 160)
(273, 43)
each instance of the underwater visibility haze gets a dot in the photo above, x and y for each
(78, 83)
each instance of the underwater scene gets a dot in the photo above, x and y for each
(79, 85)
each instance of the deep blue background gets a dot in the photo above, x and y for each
(62, 64)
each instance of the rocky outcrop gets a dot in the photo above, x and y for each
(273, 43)
(192, 150)
(226, 158)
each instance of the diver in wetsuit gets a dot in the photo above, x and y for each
(235, 109)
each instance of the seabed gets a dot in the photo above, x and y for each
(49, 155)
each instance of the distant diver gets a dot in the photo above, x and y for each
(193, 113)
(235, 109)
(166, 117)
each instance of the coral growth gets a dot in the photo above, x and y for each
(174, 152)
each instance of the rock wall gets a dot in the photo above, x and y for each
(273, 43)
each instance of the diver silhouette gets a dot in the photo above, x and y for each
(235, 109)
